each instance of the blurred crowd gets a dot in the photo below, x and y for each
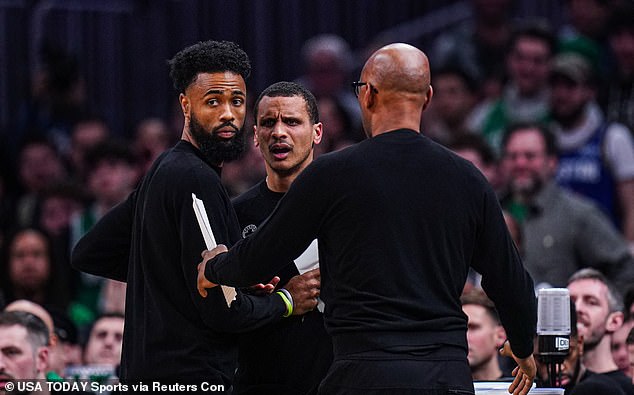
(545, 112)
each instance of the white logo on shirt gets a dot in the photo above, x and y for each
(248, 230)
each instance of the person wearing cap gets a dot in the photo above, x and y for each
(596, 158)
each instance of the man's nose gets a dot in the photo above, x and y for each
(227, 113)
(279, 129)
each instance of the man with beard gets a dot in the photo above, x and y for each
(562, 233)
(152, 240)
(286, 129)
(599, 314)
(596, 158)
(575, 377)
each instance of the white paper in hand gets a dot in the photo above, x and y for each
(210, 241)
(309, 260)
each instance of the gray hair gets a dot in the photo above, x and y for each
(37, 332)
(615, 302)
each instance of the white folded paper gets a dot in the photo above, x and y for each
(210, 241)
(309, 260)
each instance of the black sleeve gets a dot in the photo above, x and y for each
(286, 233)
(105, 250)
(248, 312)
(504, 278)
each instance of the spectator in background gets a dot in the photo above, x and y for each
(39, 166)
(328, 66)
(23, 348)
(60, 203)
(240, 175)
(485, 336)
(596, 158)
(479, 45)
(87, 133)
(476, 150)
(58, 98)
(599, 315)
(341, 129)
(450, 114)
(28, 270)
(619, 100)
(587, 32)
(618, 344)
(576, 379)
(104, 341)
(525, 95)
(68, 342)
(562, 233)
(56, 363)
(151, 138)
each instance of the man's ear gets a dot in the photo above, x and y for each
(41, 360)
(428, 96)
(317, 132)
(368, 100)
(614, 322)
(185, 105)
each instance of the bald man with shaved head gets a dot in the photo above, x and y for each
(399, 221)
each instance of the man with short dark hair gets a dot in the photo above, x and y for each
(525, 95)
(485, 336)
(286, 129)
(23, 349)
(153, 241)
(104, 340)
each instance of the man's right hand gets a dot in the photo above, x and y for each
(524, 372)
(202, 283)
(305, 290)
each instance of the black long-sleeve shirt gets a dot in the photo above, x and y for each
(152, 241)
(289, 357)
(399, 221)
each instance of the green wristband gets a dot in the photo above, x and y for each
(285, 295)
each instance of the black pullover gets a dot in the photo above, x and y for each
(152, 241)
(399, 221)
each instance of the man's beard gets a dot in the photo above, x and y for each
(570, 119)
(527, 189)
(215, 149)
